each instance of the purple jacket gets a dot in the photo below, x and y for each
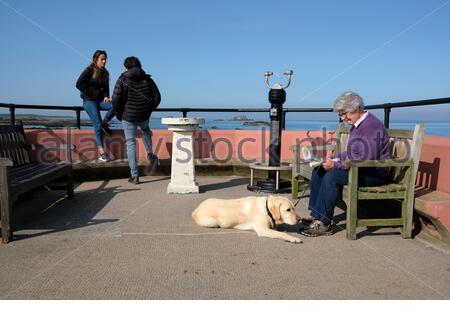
(368, 141)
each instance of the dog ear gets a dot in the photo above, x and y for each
(274, 205)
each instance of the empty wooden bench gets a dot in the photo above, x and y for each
(18, 174)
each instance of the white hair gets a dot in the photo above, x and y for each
(349, 102)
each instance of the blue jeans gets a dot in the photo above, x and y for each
(129, 129)
(326, 190)
(93, 108)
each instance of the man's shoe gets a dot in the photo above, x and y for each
(134, 180)
(152, 163)
(104, 157)
(106, 129)
(317, 228)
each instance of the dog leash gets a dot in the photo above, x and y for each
(300, 198)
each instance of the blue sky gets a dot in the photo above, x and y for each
(214, 53)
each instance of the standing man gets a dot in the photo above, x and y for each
(134, 99)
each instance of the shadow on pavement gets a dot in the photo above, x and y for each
(222, 185)
(47, 212)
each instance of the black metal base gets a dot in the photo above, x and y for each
(268, 186)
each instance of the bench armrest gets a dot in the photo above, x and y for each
(298, 147)
(378, 163)
(5, 162)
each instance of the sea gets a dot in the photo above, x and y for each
(229, 122)
(432, 128)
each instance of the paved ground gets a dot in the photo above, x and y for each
(120, 241)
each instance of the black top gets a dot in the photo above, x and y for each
(90, 90)
(135, 96)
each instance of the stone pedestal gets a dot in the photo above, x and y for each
(182, 178)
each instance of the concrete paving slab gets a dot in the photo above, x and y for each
(121, 241)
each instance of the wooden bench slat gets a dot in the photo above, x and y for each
(40, 172)
(379, 222)
(391, 187)
(39, 180)
(366, 195)
(30, 169)
(18, 170)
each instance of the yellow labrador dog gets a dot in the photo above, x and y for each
(259, 214)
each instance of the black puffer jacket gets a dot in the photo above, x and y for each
(90, 90)
(135, 96)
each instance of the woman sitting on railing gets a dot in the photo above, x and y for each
(94, 86)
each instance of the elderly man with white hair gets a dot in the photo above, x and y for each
(368, 140)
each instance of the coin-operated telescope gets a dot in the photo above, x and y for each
(277, 96)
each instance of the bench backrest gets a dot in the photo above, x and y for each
(13, 144)
(403, 145)
(406, 144)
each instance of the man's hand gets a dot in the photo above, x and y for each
(328, 164)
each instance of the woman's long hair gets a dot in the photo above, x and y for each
(100, 76)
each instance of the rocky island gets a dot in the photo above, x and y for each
(256, 123)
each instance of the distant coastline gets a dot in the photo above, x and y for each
(44, 121)
(432, 128)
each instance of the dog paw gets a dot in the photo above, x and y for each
(295, 240)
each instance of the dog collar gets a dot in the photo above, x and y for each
(268, 211)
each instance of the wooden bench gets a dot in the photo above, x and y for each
(18, 174)
(405, 149)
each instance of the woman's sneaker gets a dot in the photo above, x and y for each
(104, 157)
(317, 228)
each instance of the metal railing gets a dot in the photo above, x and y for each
(387, 107)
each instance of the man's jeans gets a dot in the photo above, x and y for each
(93, 108)
(129, 129)
(326, 189)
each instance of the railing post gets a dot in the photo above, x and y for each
(78, 111)
(283, 120)
(12, 115)
(69, 146)
(387, 112)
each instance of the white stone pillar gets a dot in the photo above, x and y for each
(182, 178)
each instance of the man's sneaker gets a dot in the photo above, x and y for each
(134, 180)
(106, 129)
(317, 228)
(152, 163)
(103, 157)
